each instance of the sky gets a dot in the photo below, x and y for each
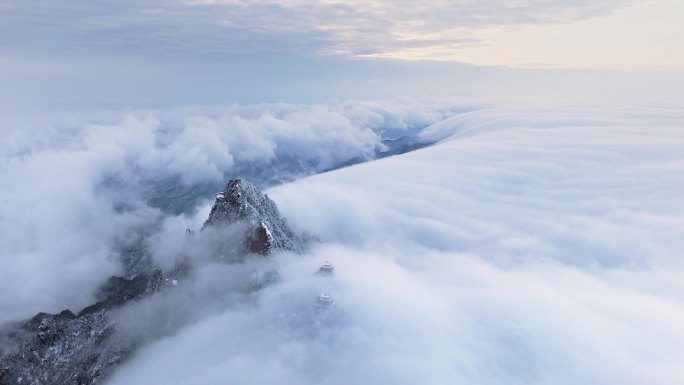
(611, 35)
(114, 54)
(566, 34)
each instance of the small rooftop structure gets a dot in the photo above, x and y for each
(325, 300)
(326, 268)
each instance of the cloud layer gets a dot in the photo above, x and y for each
(75, 192)
(533, 245)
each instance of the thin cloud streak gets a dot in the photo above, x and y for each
(211, 28)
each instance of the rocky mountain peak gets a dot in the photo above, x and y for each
(242, 202)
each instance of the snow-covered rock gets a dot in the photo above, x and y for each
(242, 202)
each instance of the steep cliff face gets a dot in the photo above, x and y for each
(84, 348)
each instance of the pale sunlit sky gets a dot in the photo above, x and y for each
(131, 53)
(643, 36)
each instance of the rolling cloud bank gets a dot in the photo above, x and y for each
(531, 244)
(78, 191)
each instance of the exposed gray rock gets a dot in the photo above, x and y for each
(68, 348)
(242, 202)
(84, 348)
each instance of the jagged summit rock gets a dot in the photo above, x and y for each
(242, 202)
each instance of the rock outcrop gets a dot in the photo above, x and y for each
(68, 348)
(242, 202)
(84, 348)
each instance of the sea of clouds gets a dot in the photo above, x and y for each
(533, 244)
(76, 187)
